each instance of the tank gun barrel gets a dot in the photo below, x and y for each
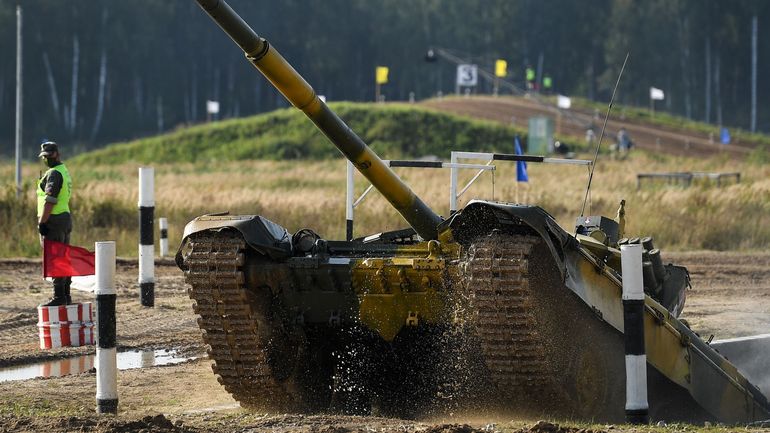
(291, 84)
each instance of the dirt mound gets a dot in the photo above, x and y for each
(148, 424)
(549, 427)
(452, 428)
(656, 138)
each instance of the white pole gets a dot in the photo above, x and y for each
(754, 74)
(163, 225)
(453, 185)
(633, 326)
(106, 356)
(18, 101)
(349, 202)
(146, 236)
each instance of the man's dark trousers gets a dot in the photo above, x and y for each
(59, 229)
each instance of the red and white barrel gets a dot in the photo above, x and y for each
(65, 325)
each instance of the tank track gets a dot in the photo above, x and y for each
(504, 317)
(232, 322)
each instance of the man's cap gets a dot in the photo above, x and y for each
(47, 148)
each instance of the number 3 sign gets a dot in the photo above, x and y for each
(467, 75)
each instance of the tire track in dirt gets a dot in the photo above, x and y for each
(518, 110)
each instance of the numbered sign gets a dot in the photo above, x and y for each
(467, 75)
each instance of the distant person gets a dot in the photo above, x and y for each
(530, 75)
(547, 84)
(53, 212)
(624, 143)
(590, 136)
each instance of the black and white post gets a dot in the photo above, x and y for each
(349, 202)
(146, 236)
(633, 325)
(163, 225)
(106, 356)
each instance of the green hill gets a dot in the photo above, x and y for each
(392, 130)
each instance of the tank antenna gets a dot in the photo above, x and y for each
(599, 144)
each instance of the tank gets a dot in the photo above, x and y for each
(495, 307)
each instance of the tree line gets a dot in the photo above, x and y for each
(98, 72)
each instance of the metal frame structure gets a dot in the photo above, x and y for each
(490, 157)
(350, 203)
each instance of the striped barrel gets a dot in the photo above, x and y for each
(65, 325)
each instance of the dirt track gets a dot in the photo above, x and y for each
(730, 297)
(518, 110)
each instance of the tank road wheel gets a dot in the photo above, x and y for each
(259, 356)
(545, 352)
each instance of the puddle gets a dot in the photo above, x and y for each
(79, 364)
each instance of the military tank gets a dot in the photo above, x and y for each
(494, 307)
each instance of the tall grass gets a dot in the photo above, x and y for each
(299, 194)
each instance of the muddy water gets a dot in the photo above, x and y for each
(79, 364)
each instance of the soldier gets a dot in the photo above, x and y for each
(53, 212)
(530, 76)
(547, 84)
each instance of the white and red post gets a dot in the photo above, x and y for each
(106, 355)
(637, 407)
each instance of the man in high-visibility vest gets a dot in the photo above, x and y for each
(530, 75)
(53, 212)
(547, 83)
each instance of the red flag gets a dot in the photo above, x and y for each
(62, 260)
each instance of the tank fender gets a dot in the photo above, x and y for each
(479, 218)
(263, 235)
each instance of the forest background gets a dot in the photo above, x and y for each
(99, 72)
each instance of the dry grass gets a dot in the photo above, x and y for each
(312, 194)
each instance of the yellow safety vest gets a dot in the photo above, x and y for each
(63, 203)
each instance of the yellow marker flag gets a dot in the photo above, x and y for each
(501, 68)
(382, 74)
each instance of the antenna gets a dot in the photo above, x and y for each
(599, 144)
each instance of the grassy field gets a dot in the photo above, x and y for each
(301, 193)
(395, 130)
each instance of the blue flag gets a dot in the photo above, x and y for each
(724, 136)
(521, 166)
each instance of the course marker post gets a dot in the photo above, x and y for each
(146, 236)
(163, 225)
(637, 406)
(106, 356)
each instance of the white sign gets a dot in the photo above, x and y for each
(212, 107)
(656, 94)
(563, 102)
(467, 75)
